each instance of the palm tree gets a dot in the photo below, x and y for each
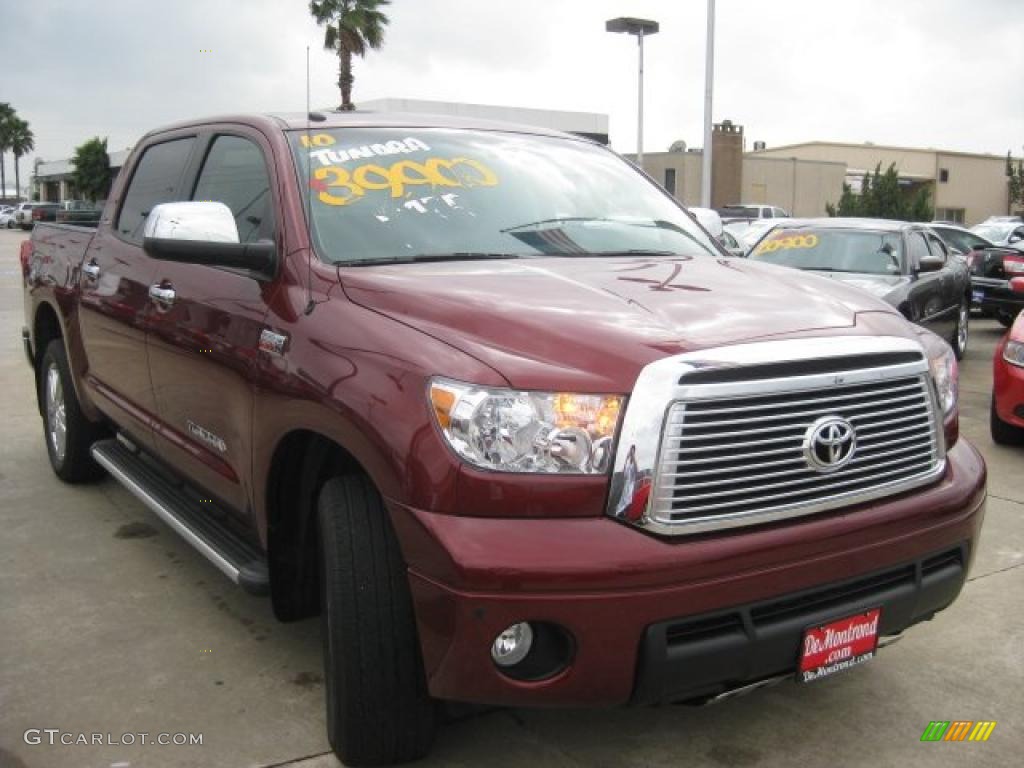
(7, 114)
(22, 141)
(353, 27)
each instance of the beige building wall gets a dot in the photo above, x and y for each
(976, 184)
(802, 187)
(861, 157)
(687, 167)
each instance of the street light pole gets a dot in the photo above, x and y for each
(640, 104)
(641, 28)
(709, 81)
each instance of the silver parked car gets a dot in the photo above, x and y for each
(1002, 232)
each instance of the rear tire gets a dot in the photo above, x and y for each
(68, 434)
(1003, 433)
(961, 329)
(1006, 318)
(378, 708)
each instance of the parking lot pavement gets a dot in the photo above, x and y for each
(111, 624)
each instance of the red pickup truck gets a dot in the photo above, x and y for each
(491, 402)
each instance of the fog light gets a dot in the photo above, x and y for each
(512, 645)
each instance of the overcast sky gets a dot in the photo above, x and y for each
(930, 73)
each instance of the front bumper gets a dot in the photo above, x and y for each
(611, 586)
(996, 296)
(1008, 389)
(702, 656)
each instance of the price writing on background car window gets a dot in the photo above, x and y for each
(788, 242)
(340, 186)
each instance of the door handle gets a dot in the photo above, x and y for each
(162, 295)
(91, 270)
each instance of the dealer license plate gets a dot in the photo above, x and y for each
(977, 296)
(838, 645)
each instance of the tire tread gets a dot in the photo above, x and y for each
(381, 710)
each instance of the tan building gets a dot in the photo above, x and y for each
(803, 178)
(965, 187)
(802, 187)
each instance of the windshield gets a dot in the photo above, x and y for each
(393, 194)
(833, 250)
(994, 232)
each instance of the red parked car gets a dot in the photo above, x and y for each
(1008, 381)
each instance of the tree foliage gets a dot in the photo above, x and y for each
(21, 141)
(352, 27)
(7, 117)
(92, 169)
(881, 197)
(1015, 180)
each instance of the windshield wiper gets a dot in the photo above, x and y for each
(626, 252)
(556, 220)
(846, 271)
(428, 257)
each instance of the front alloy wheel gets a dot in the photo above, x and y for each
(960, 332)
(69, 434)
(56, 413)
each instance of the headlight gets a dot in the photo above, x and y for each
(942, 362)
(507, 430)
(1013, 353)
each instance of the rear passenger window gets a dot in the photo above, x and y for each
(235, 174)
(155, 181)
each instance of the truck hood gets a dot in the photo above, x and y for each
(877, 285)
(591, 324)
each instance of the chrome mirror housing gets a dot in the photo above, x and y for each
(206, 222)
(205, 233)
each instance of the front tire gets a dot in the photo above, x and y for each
(69, 435)
(960, 330)
(378, 708)
(1006, 318)
(1002, 432)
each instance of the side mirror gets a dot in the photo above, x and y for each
(930, 264)
(205, 233)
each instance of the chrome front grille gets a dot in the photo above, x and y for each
(765, 431)
(744, 455)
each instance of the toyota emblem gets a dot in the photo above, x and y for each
(829, 444)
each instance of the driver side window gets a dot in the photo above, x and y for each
(234, 173)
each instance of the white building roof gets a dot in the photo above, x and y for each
(47, 171)
(558, 120)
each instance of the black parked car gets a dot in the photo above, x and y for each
(992, 267)
(905, 264)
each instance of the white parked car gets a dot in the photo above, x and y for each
(23, 213)
(1001, 232)
(7, 217)
(752, 211)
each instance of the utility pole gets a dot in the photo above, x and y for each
(709, 83)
